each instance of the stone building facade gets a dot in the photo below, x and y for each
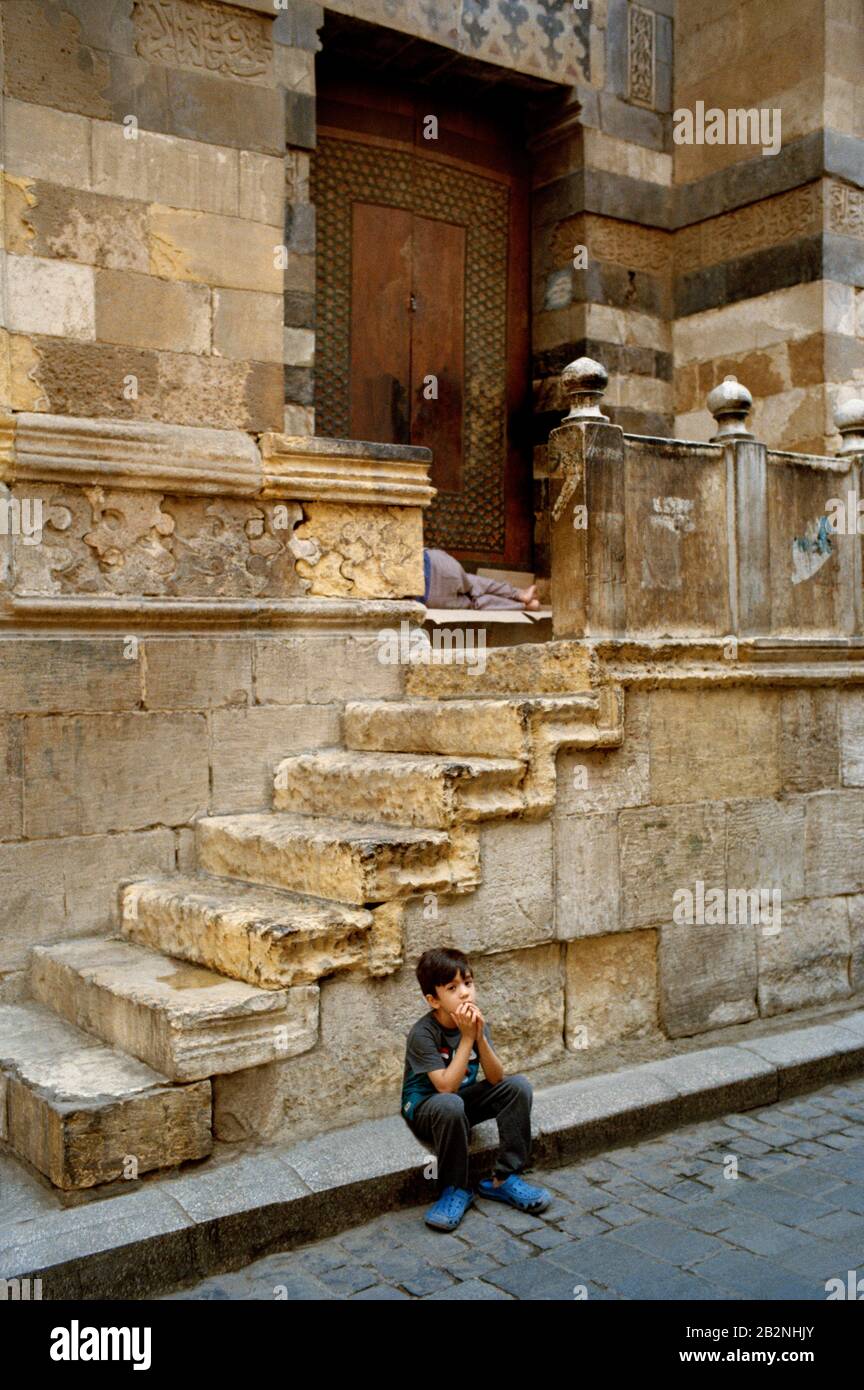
(208, 766)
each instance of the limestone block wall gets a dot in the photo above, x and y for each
(114, 744)
(184, 610)
(770, 257)
(144, 176)
(748, 789)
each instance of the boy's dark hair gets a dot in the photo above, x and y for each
(439, 966)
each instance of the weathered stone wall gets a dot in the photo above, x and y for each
(114, 745)
(769, 264)
(741, 789)
(571, 934)
(144, 183)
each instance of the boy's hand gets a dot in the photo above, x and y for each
(465, 1021)
(477, 1020)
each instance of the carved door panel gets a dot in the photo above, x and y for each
(422, 306)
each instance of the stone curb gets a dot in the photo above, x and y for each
(180, 1230)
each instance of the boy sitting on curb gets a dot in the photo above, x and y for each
(442, 1098)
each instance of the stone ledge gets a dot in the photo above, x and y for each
(131, 454)
(195, 615)
(180, 1230)
(192, 460)
(346, 470)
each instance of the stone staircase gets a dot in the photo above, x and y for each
(106, 1073)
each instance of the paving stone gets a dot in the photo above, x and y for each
(515, 1221)
(688, 1191)
(473, 1265)
(508, 1250)
(407, 1268)
(790, 1208)
(619, 1214)
(557, 1210)
(475, 1290)
(348, 1279)
(794, 1124)
(712, 1217)
(848, 1165)
(438, 1247)
(820, 1125)
(658, 1204)
(598, 1170)
(535, 1278)
(544, 1240)
(299, 1287)
(687, 1168)
(819, 1260)
(752, 1276)
(380, 1293)
(478, 1231)
(368, 1241)
(574, 1187)
(748, 1144)
(223, 1287)
(810, 1180)
(836, 1225)
(595, 1258)
(839, 1141)
(808, 1148)
(760, 1235)
(315, 1259)
(667, 1240)
(851, 1196)
(775, 1163)
(629, 1192)
(656, 1176)
(581, 1224)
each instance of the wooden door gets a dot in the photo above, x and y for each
(422, 303)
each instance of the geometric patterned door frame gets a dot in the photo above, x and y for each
(348, 171)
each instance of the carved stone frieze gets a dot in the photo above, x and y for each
(98, 540)
(204, 37)
(758, 226)
(846, 210)
(641, 55)
(357, 554)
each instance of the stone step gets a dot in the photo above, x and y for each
(184, 1021)
(268, 938)
(83, 1113)
(399, 788)
(338, 859)
(482, 728)
(532, 668)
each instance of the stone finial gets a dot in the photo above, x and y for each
(584, 382)
(730, 403)
(849, 419)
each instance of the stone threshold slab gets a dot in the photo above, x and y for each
(176, 1231)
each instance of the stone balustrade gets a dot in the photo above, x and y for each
(656, 538)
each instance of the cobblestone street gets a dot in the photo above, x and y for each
(657, 1220)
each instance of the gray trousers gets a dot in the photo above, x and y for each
(445, 1120)
(451, 587)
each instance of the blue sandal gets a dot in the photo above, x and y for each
(517, 1193)
(449, 1209)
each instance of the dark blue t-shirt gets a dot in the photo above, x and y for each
(429, 1048)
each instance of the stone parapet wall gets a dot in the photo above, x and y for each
(667, 538)
(110, 509)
